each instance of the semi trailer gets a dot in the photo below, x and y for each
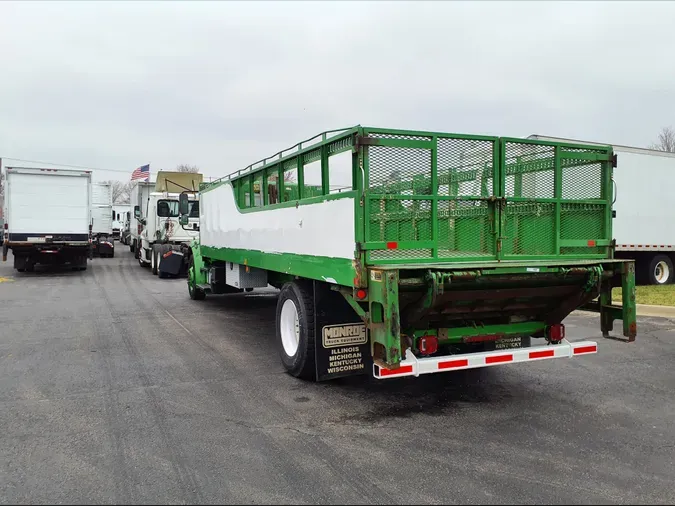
(642, 230)
(47, 216)
(446, 252)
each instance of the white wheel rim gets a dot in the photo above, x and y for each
(153, 259)
(661, 272)
(289, 327)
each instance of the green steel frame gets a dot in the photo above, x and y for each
(482, 210)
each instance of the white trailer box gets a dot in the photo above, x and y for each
(138, 196)
(642, 228)
(47, 216)
(101, 208)
(102, 220)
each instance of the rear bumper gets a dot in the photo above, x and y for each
(413, 366)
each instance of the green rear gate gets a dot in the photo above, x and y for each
(433, 197)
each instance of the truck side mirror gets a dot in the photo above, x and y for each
(183, 204)
(137, 212)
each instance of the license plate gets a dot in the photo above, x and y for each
(37, 239)
(508, 343)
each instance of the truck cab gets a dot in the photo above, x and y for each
(162, 231)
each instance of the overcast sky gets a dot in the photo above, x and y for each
(222, 84)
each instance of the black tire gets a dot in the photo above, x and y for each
(660, 270)
(302, 363)
(155, 258)
(195, 293)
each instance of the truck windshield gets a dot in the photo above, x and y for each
(169, 209)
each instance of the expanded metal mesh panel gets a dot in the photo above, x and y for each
(582, 221)
(381, 135)
(400, 220)
(530, 229)
(458, 218)
(529, 170)
(465, 229)
(399, 254)
(581, 179)
(465, 167)
(402, 171)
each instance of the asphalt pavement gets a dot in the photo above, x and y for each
(115, 387)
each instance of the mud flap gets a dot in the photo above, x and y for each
(105, 248)
(171, 262)
(342, 346)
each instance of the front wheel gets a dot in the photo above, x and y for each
(196, 293)
(295, 330)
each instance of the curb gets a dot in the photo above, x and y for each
(661, 311)
(644, 310)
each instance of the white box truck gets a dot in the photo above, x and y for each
(138, 196)
(101, 220)
(643, 229)
(120, 214)
(47, 216)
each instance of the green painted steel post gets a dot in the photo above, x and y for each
(628, 302)
(434, 196)
(557, 194)
(385, 324)
(301, 177)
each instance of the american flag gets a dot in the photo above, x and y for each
(142, 172)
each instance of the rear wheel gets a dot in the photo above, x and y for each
(295, 330)
(660, 270)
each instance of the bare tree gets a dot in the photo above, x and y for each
(183, 167)
(666, 140)
(120, 191)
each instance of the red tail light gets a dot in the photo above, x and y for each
(6, 226)
(361, 294)
(428, 345)
(556, 332)
(140, 229)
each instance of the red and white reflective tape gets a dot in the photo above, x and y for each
(645, 247)
(413, 366)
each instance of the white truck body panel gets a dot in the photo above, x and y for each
(325, 229)
(101, 208)
(642, 197)
(45, 204)
(138, 196)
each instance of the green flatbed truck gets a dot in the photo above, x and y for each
(400, 253)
